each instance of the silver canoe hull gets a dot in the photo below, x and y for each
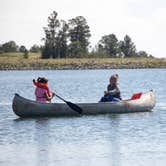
(28, 108)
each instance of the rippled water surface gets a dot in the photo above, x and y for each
(137, 139)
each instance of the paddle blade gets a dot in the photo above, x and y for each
(74, 107)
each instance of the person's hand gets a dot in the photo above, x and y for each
(53, 94)
(105, 92)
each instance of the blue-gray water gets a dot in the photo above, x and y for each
(137, 139)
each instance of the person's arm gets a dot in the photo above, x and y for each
(40, 85)
(48, 97)
(114, 91)
(107, 91)
(35, 93)
(34, 82)
(111, 92)
(52, 92)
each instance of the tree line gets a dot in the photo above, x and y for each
(11, 46)
(70, 39)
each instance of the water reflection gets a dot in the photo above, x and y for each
(115, 140)
(42, 139)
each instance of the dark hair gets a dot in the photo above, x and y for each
(42, 80)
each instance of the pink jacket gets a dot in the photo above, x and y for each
(40, 95)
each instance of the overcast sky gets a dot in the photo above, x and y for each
(143, 20)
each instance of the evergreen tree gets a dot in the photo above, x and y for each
(109, 45)
(127, 47)
(55, 38)
(79, 34)
(61, 47)
(50, 35)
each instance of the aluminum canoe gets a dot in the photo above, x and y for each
(27, 108)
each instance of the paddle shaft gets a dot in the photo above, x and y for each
(71, 105)
(60, 98)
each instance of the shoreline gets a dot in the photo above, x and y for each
(35, 63)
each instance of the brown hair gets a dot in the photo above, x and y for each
(42, 80)
(114, 77)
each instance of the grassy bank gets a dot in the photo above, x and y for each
(15, 61)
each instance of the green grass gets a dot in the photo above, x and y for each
(13, 61)
(19, 54)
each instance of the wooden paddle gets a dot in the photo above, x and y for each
(71, 105)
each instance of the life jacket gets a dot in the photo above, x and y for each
(40, 95)
(41, 85)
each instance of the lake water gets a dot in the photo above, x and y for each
(137, 139)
